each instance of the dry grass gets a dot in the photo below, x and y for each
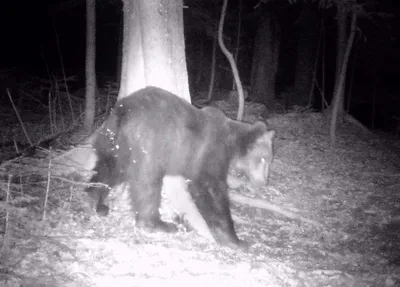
(350, 190)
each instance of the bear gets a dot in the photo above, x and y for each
(153, 133)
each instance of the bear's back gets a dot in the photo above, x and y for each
(157, 102)
(172, 130)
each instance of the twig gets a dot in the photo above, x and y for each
(6, 235)
(84, 184)
(12, 208)
(60, 107)
(47, 187)
(70, 198)
(50, 117)
(63, 71)
(19, 118)
(16, 146)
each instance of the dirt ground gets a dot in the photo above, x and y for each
(349, 191)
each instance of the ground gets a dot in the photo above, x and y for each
(349, 190)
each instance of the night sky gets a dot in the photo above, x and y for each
(32, 31)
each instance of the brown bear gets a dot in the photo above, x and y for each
(153, 133)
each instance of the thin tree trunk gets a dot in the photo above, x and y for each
(315, 68)
(373, 111)
(232, 62)
(339, 91)
(350, 91)
(342, 20)
(239, 30)
(323, 60)
(308, 37)
(90, 108)
(212, 78)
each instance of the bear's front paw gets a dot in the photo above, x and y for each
(243, 245)
(102, 209)
(238, 245)
(156, 225)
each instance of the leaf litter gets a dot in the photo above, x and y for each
(350, 190)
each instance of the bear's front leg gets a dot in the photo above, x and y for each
(212, 201)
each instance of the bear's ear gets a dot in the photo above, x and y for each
(245, 136)
(258, 132)
(266, 137)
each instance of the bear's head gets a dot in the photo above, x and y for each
(255, 161)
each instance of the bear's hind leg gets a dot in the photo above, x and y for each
(146, 199)
(107, 177)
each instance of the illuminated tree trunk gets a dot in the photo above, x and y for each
(90, 108)
(153, 54)
(153, 47)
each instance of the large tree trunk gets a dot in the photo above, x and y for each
(306, 51)
(153, 54)
(153, 47)
(265, 60)
(90, 100)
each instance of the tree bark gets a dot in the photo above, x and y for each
(153, 54)
(132, 79)
(265, 60)
(90, 100)
(153, 47)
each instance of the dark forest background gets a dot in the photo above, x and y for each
(35, 34)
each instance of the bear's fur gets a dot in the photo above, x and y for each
(153, 133)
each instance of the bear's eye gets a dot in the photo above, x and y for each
(261, 160)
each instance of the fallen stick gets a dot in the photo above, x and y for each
(262, 204)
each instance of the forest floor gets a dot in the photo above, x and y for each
(350, 190)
